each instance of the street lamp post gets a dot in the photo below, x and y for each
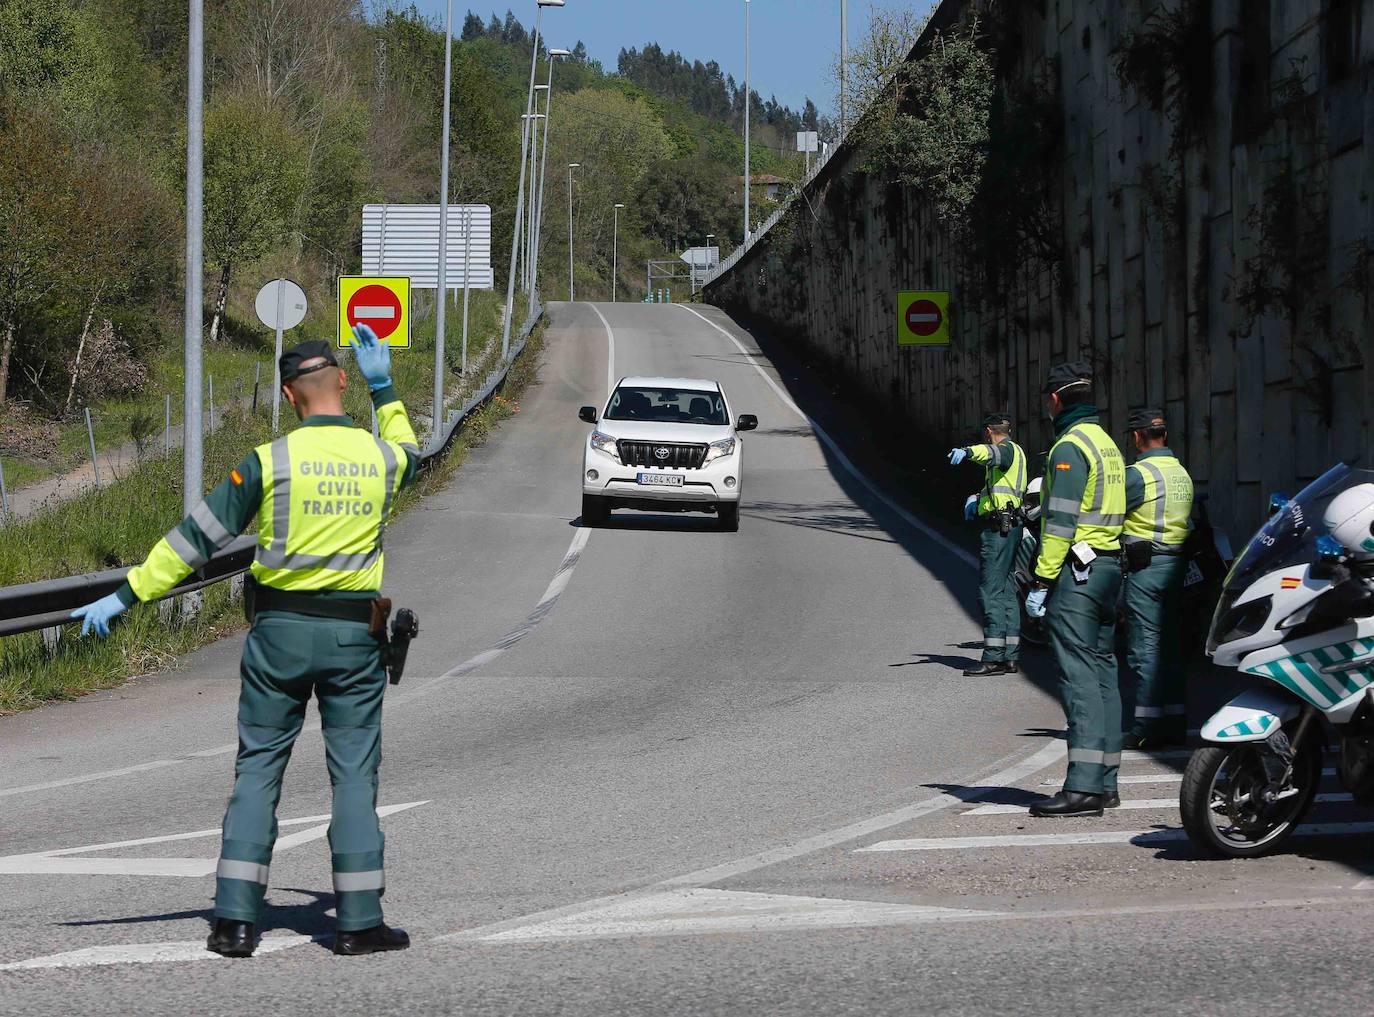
(441, 282)
(709, 238)
(192, 477)
(554, 55)
(530, 203)
(520, 187)
(615, 248)
(571, 166)
(747, 103)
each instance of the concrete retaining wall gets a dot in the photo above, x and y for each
(1222, 270)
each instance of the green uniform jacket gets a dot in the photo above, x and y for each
(1071, 481)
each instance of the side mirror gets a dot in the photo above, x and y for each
(747, 422)
(587, 413)
(1277, 503)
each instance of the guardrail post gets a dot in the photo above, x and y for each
(52, 638)
(165, 607)
(236, 587)
(189, 605)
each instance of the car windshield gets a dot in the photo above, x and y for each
(667, 406)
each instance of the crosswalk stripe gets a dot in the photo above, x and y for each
(1140, 838)
(1127, 804)
(1156, 778)
(1148, 755)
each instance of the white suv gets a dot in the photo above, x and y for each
(664, 444)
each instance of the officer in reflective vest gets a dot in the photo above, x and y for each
(1083, 500)
(997, 508)
(321, 497)
(1159, 508)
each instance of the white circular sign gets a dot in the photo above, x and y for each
(281, 304)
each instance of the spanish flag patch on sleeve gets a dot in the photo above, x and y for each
(236, 477)
(1063, 466)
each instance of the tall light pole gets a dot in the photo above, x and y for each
(615, 248)
(571, 166)
(844, 61)
(534, 185)
(520, 187)
(441, 282)
(192, 475)
(554, 55)
(747, 103)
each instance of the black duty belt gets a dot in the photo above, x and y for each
(1107, 554)
(265, 598)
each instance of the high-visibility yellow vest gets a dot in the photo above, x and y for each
(327, 493)
(1004, 487)
(1102, 512)
(1165, 517)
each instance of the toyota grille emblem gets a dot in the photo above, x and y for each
(662, 452)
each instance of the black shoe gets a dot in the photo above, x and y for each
(1068, 803)
(988, 668)
(230, 938)
(1111, 800)
(377, 939)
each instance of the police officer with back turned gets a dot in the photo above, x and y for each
(321, 496)
(1159, 508)
(997, 508)
(1083, 499)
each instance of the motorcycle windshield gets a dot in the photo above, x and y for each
(1288, 538)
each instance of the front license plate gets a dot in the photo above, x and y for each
(659, 480)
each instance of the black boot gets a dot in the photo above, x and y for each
(374, 940)
(230, 938)
(988, 668)
(1068, 803)
(1111, 800)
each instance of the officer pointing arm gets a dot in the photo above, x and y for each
(322, 495)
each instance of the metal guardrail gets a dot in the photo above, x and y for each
(50, 602)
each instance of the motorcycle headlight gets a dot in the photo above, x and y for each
(720, 449)
(1245, 620)
(605, 444)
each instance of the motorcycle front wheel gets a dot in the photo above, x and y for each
(1224, 802)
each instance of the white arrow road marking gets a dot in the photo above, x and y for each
(146, 953)
(1132, 803)
(60, 862)
(1141, 838)
(696, 911)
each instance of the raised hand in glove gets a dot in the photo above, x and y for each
(99, 614)
(957, 456)
(971, 508)
(1035, 602)
(373, 356)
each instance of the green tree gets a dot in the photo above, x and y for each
(683, 201)
(254, 174)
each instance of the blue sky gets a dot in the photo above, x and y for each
(794, 42)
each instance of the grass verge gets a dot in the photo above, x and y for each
(117, 525)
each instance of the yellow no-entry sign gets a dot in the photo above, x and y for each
(923, 318)
(383, 302)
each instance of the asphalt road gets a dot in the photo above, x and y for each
(659, 769)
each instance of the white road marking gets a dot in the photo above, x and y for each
(146, 953)
(1128, 804)
(610, 357)
(1048, 755)
(697, 911)
(932, 535)
(1158, 778)
(1147, 755)
(61, 862)
(1141, 838)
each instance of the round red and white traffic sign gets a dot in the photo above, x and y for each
(376, 306)
(924, 317)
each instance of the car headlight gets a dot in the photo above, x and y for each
(605, 444)
(720, 449)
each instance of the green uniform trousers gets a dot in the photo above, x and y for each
(998, 595)
(1081, 624)
(1154, 653)
(286, 659)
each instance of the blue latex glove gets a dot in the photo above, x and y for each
(957, 456)
(1035, 603)
(971, 508)
(373, 356)
(98, 615)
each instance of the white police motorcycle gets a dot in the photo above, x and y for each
(1297, 612)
